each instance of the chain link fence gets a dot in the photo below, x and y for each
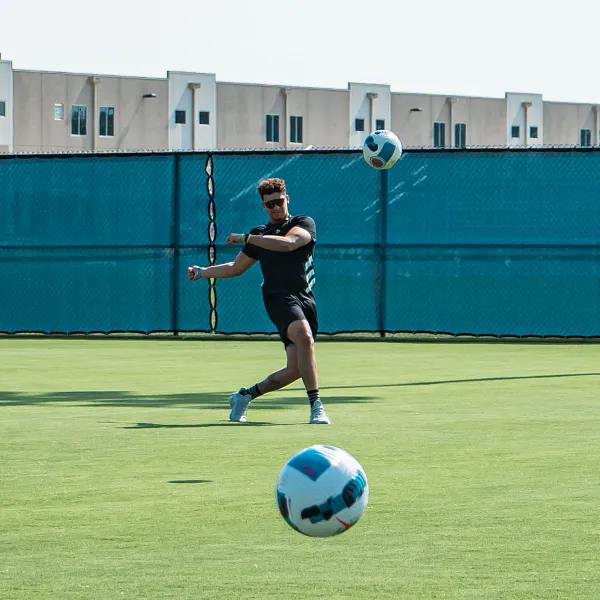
(480, 241)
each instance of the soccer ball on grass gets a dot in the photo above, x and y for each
(322, 491)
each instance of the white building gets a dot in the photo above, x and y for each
(57, 112)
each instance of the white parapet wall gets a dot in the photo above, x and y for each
(525, 111)
(6, 98)
(193, 93)
(361, 105)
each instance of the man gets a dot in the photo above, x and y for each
(284, 248)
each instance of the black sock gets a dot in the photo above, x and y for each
(254, 391)
(313, 396)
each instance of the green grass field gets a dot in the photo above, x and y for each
(122, 478)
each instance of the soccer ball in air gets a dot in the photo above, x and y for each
(322, 491)
(382, 149)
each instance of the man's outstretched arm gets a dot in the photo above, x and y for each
(231, 269)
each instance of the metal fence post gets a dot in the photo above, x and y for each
(380, 249)
(175, 246)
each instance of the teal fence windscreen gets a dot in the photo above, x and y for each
(483, 242)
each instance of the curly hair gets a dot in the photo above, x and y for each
(270, 186)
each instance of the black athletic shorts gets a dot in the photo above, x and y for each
(283, 310)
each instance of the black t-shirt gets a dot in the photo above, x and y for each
(285, 272)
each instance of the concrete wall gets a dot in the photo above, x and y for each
(242, 115)
(413, 116)
(360, 108)
(35, 96)
(243, 110)
(524, 117)
(145, 114)
(6, 96)
(485, 119)
(563, 123)
(323, 112)
(139, 123)
(193, 93)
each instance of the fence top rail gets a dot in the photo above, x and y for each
(288, 151)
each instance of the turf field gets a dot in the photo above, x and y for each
(122, 478)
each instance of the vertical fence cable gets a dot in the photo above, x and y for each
(212, 237)
(175, 250)
(380, 249)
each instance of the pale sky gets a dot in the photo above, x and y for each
(451, 47)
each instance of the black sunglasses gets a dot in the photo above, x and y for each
(273, 203)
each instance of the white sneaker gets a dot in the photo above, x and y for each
(239, 405)
(318, 416)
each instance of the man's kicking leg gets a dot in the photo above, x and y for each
(240, 400)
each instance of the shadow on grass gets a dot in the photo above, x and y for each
(194, 425)
(447, 381)
(219, 400)
(191, 481)
(201, 401)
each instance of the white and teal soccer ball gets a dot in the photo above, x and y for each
(322, 491)
(382, 149)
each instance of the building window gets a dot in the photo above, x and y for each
(203, 117)
(585, 137)
(107, 121)
(359, 124)
(2, 108)
(59, 112)
(79, 119)
(272, 128)
(515, 131)
(439, 135)
(379, 124)
(296, 130)
(180, 117)
(460, 135)
(533, 132)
